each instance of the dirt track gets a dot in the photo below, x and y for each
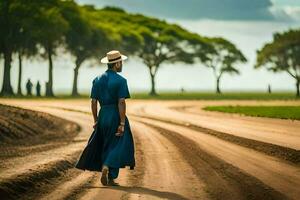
(179, 151)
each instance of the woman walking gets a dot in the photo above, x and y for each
(111, 145)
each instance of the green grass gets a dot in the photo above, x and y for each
(214, 96)
(282, 112)
(190, 96)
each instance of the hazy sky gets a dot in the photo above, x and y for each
(248, 26)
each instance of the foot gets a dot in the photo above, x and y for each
(104, 179)
(111, 182)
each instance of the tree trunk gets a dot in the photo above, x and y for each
(218, 85)
(20, 75)
(153, 90)
(152, 76)
(49, 88)
(75, 80)
(298, 87)
(6, 87)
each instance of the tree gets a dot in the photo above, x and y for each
(25, 49)
(89, 37)
(8, 33)
(26, 42)
(282, 55)
(79, 38)
(17, 17)
(154, 41)
(118, 24)
(52, 28)
(223, 59)
(164, 43)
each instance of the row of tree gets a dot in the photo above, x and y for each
(42, 28)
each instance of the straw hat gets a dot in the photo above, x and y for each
(113, 57)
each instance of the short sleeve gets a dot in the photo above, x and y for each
(123, 90)
(94, 91)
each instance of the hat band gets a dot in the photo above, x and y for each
(114, 59)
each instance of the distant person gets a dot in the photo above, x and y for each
(111, 145)
(29, 87)
(182, 90)
(269, 89)
(38, 89)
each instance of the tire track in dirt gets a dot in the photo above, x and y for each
(110, 191)
(70, 187)
(130, 180)
(223, 180)
(35, 174)
(22, 180)
(285, 153)
(273, 172)
(76, 190)
(143, 183)
(74, 185)
(279, 132)
(165, 176)
(278, 185)
(159, 172)
(136, 177)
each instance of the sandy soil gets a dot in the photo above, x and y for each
(174, 160)
(24, 132)
(276, 131)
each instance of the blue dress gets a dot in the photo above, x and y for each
(104, 147)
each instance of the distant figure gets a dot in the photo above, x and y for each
(269, 89)
(38, 89)
(29, 87)
(182, 90)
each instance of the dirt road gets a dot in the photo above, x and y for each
(182, 152)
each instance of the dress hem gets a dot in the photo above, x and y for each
(100, 170)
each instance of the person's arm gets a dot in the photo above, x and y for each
(94, 107)
(122, 110)
(122, 114)
(123, 93)
(94, 96)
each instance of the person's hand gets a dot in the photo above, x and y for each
(95, 125)
(120, 130)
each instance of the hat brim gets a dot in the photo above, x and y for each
(105, 60)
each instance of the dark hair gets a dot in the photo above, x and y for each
(111, 65)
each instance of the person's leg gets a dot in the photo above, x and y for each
(113, 174)
(105, 172)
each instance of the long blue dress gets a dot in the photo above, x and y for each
(104, 147)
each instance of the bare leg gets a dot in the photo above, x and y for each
(104, 175)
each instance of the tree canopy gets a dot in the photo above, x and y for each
(154, 41)
(222, 59)
(282, 55)
(42, 27)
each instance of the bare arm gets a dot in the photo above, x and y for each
(122, 110)
(122, 113)
(94, 107)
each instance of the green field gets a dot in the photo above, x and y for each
(282, 112)
(214, 96)
(192, 96)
